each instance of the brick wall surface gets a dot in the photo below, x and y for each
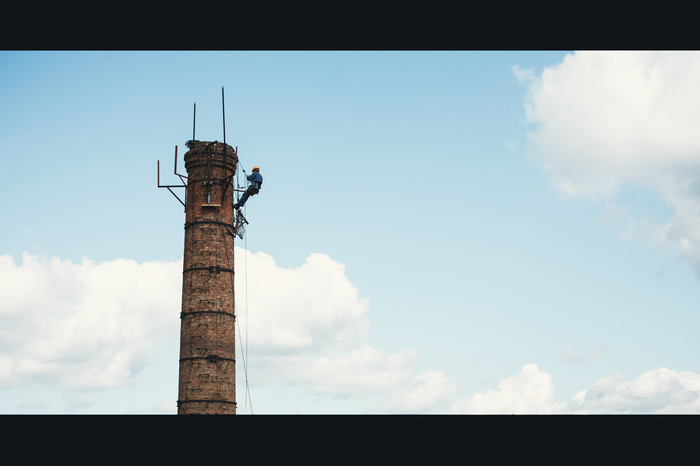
(207, 382)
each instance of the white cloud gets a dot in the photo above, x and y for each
(426, 393)
(607, 119)
(642, 230)
(298, 316)
(86, 327)
(311, 308)
(165, 407)
(569, 355)
(529, 392)
(5, 371)
(364, 371)
(526, 76)
(656, 391)
(83, 326)
(91, 327)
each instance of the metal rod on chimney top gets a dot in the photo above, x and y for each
(194, 118)
(223, 110)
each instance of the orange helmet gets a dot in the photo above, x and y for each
(256, 168)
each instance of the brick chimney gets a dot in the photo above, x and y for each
(207, 382)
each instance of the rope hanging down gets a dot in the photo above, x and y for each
(245, 354)
(235, 311)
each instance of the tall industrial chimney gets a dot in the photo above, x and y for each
(207, 353)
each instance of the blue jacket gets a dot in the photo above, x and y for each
(255, 177)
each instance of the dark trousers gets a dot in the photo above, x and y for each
(252, 190)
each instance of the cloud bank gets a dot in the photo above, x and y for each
(308, 309)
(82, 329)
(85, 328)
(531, 391)
(307, 326)
(603, 120)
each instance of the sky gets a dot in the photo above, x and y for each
(438, 232)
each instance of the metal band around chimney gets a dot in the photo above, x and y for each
(211, 269)
(183, 314)
(207, 222)
(206, 401)
(212, 358)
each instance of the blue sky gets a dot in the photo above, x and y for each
(491, 231)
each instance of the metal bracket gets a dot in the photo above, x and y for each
(182, 179)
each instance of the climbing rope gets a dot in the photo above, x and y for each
(244, 351)
(245, 355)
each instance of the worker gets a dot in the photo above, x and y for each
(256, 180)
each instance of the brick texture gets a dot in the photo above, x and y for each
(207, 383)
